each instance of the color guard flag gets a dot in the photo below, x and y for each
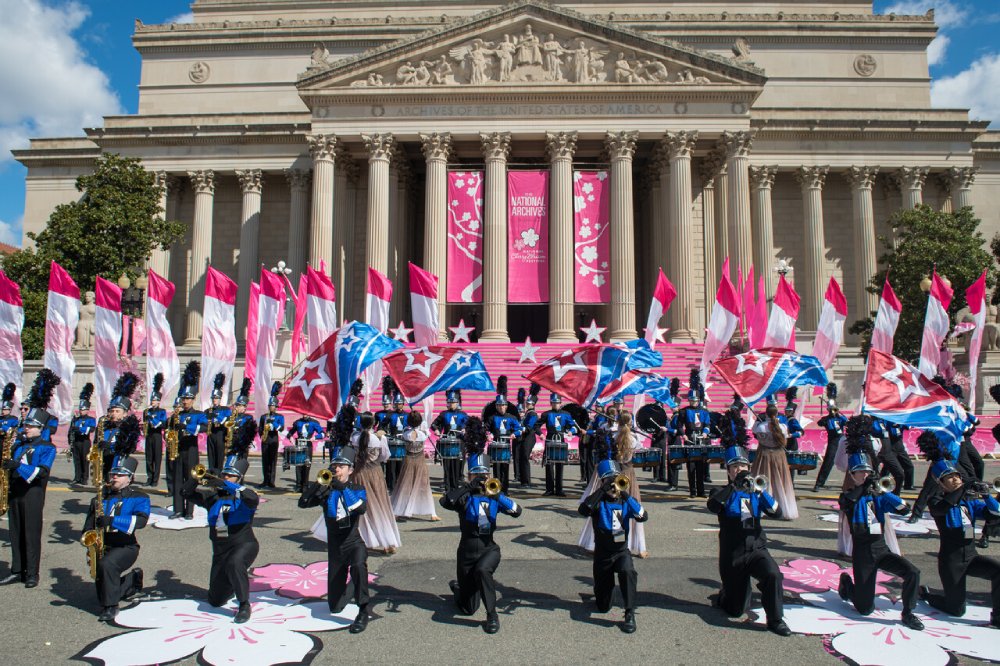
(321, 308)
(640, 382)
(975, 296)
(784, 312)
(161, 354)
(830, 332)
(581, 374)
(758, 316)
(663, 295)
(758, 373)
(272, 295)
(722, 323)
(887, 319)
(300, 319)
(218, 336)
(377, 315)
(424, 304)
(11, 324)
(936, 324)
(420, 373)
(107, 334)
(61, 318)
(250, 350)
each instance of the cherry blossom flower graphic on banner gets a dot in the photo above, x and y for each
(806, 576)
(294, 581)
(465, 237)
(880, 639)
(591, 237)
(177, 628)
(527, 236)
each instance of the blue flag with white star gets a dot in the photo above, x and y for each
(424, 371)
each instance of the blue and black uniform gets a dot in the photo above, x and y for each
(524, 445)
(305, 430)
(594, 447)
(81, 429)
(887, 455)
(216, 444)
(611, 517)
(154, 421)
(125, 511)
(507, 428)
(557, 423)
(29, 468)
(451, 422)
(269, 427)
(834, 425)
(190, 422)
(691, 425)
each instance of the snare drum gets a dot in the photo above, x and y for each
(556, 452)
(449, 448)
(647, 457)
(802, 460)
(397, 448)
(696, 453)
(297, 455)
(715, 454)
(499, 450)
(677, 455)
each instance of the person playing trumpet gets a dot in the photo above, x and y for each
(743, 552)
(343, 505)
(477, 503)
(612, 509)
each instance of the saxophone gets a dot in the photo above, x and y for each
(173, 435)
(5, 454)
(93, 540)
(229, 423)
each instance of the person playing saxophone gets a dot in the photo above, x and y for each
(270, 427)
(189, 423)
(242, 423)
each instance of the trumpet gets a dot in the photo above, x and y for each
(756, 484)
(324, 477)
(201, 473)
(986, 488)
(492, 487)
(884, 485)
(620, 485)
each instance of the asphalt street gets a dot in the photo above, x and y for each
(544, 583)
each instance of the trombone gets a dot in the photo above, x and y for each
(201, 473)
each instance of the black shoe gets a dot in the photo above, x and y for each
(914, 517)
(560, 494)
(136, 584)
(779, 628)
(995, 620)
(360, 622)
(702, 495)
(691, 495)
(912, 621)
(11, 578)
(454, 587)
(628, 624)
(818, 487)
(548, 493)
(243, 614)
(844, 586)
(492, 624)
(176, 515)
(191, 517)
(31, 581)
(109, 614)
(923, 592)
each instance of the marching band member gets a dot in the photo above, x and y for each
(833, 423)
(231, 507)
(305, 429)
(691, 425)
(125, 509)
(589, 448)
(558, 423)
(771, 461)
(451, 422)
(344, 503)
(382, 415)
(119, 407)
(8, 420)
(412, 495)
(526, 442)
(378, 525)
(396, 422)
(652, 420)
(865, 506)
(956, 510)
(795, 429)
(80, 429)
(504, 428)
(743, 552)
(28, 471)
(189, 422)
(217, 415)
(969, 453)
(886, 456)
(895, 432)
(243, 423)
(611, 510)
(270, 427)
(154, 421)
(477, 503)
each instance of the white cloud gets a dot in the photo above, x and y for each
(10, 232)
(49, 88)
(946, 13)
(936, 49)
(976, 88)
(186, 17)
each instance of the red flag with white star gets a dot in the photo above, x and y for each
(420, 373)
(582, 373)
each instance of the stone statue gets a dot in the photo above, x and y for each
(505, 56)
(85, 329)
(528, 51)
(655, 71)
(320, 56)
(479, 60)
(553, 58)
(441, 70)
(423, 73)
(624, 73)
(580, 58)
(741, 50)
(406, 75)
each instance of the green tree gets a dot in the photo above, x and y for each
(111, 230)
(927, 240)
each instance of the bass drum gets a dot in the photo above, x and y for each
(579, 414)
(650, 418)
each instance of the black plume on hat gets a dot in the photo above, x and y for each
(535, 388)
(128, 436)
(9, 390)
(995, 393)
(831, 390)
(275, 389)
(41, 392)
(475, 435)
(125, 386)
(157, 387)
(87, 392)
(388, 387)
(675, 387)
(858, 431)
(357, 387)
(522, 393)
(502, 385)
(343, 426)
(792, 393)
(192, 375)
(243, 438)
(930, 446)
(246, 386)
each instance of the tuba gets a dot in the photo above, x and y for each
(5, 455)
(93, 540)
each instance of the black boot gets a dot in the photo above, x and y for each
(360, 622)
(844, 588)
(109, 614)
(492, 624)
(243, 614)
(779, 628)
(628, 624)
(912, 621)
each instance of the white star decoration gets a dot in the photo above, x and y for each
(898, 376)
(321, 378)
(658, 334)
(463, 360)
(401, 333)
(564, 363)
(461, 332)
(593, 332)
(750, 362)
(423, 366)
(347, 339)
(527, 351)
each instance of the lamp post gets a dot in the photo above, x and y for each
(284, 271)
(783, 267)
(133, 298)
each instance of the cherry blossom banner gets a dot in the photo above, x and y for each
(591, 236)
(528, 237)
(465, 237)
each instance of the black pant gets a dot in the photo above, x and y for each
(392, 469)
(660, 471)
(154, 457)
(891, 464)
(953, 575)
(606, 565)
(216, 448)
(501, 470)
(828, 457)
(972, 459)
(452, 468)
(522, 451)
(25, 530)
(81, 466)
(187, 458)
(352, 557)
(478, 559)
(737, 570)
(302, 471)
(586, 459)
(269, 460)
(554, 478)
(904, 461)
(111, 584)
(230, 569)
(867, 562)
(696, 476)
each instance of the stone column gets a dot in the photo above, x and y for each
(560, 147)
(678, 147)
(708, 232)
(401, 223)
(621, 147)
(298, 219)
(323, 148)
(657, 243)
(737, 147)
(861, 180)
(159, 259)
(252, 183)
(911, 184)
(379, 148)
(496, 149)
(392, 260)
(436, 148)
(343, 221)
(762, 178)
(723, 246)
(961, 179)
(203, 183)
(813, 276)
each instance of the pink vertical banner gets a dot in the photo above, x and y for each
(465, 237)
(528, 236)
(107, 335)
(591, 237)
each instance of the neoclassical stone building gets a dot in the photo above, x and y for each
(317, 131)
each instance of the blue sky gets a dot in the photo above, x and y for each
(83, 50)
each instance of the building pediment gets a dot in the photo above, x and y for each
(525, 43)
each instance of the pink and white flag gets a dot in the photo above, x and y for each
(975, 296)
(758, 316)
(11, 324)
(465, 237)
(527, 237)
(663, 295)
(886, 319)
(321, 308)
(107, 333)
(591, 237)
(747, 303)
(218, 335)
(61, 318)
(784, 312)
(424, 303)
(272, 295)
(722, 323)
(161, 354)
(936, 324)
(830, 332)
(137, 329)
(377, 316)
(250, 348)
(300, 318)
